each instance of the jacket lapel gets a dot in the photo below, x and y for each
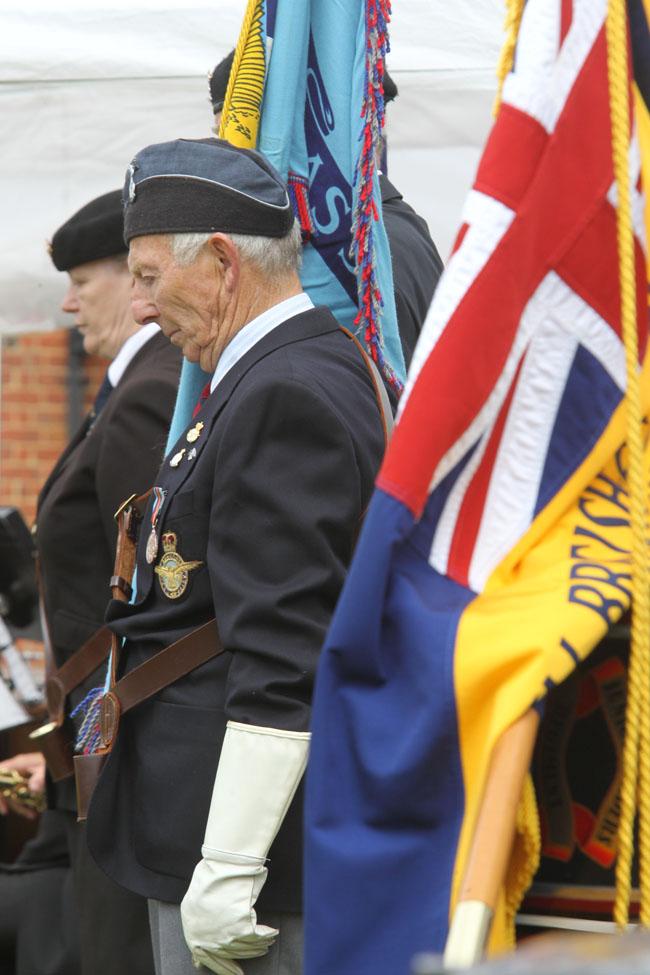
(176, 466)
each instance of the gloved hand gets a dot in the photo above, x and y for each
(219, 919)
(258, 774)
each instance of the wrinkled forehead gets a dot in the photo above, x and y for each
(149, 251)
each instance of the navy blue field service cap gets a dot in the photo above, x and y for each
(204, 186)
(92, 233)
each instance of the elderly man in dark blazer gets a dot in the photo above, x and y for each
(253, 521)
(116, 451)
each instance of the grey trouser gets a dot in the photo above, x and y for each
(172, 957)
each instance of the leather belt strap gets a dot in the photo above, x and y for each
(129, 518)
(168, 665)
(385, 411)
(156, 673)
(75, 670)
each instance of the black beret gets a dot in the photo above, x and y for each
(204, 186)
(218, 79)
(94, 232)
(390, 88)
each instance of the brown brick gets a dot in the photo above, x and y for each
(33, 411)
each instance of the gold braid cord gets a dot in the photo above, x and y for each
(514, 13)
(242, 105)
(636, 752)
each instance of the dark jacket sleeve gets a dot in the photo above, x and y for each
(285, 514)
(417, 265)
(133, 444)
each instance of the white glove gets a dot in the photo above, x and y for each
(258, 774)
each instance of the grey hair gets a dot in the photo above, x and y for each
(272, 255)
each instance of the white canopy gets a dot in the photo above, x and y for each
(84, 86)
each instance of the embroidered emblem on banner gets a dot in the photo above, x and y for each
(173, 571)
(579, 810)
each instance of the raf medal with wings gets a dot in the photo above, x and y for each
(173, 571)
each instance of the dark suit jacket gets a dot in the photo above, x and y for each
(416, 264)
(104, 463)
(270, 507)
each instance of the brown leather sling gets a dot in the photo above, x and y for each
(55, 738)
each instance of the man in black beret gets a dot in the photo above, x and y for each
(254, 519)
(116, 451)
(416, 263)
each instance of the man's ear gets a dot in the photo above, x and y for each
(228, 260)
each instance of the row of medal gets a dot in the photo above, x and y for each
(160, 494)
(191, 437)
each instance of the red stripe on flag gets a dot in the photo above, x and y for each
(572, 177)
(566, 17)
(589, 268)
(471, 510)
(511, 157)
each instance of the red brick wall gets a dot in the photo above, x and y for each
(34, 411)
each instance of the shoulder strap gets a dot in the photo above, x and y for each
(59, 681)
(156, 673)
(385, 411)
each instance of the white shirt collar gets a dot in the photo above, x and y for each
(255, 330)
(132, 345)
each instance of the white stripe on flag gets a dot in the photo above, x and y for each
(563, 321)
(487, 220)
(441, 543)
(521, 457)
(638, 200)
(542, 79)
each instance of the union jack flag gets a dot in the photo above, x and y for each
(521, 363)
(495, 552)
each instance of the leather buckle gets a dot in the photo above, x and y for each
(118, 582)
(109, 718)
(124, 505)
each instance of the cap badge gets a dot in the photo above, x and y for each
(173, 571)
(132, 169)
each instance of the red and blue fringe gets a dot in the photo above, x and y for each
(365, 214)
(299, 196)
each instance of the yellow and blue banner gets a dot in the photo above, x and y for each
(496, 550)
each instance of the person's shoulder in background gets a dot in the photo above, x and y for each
(417, 265)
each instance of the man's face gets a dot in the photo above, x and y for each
(187, 302)
(98, 297)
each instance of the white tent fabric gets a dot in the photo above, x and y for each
(84, 86)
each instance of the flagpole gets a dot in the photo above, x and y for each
(492, 844)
